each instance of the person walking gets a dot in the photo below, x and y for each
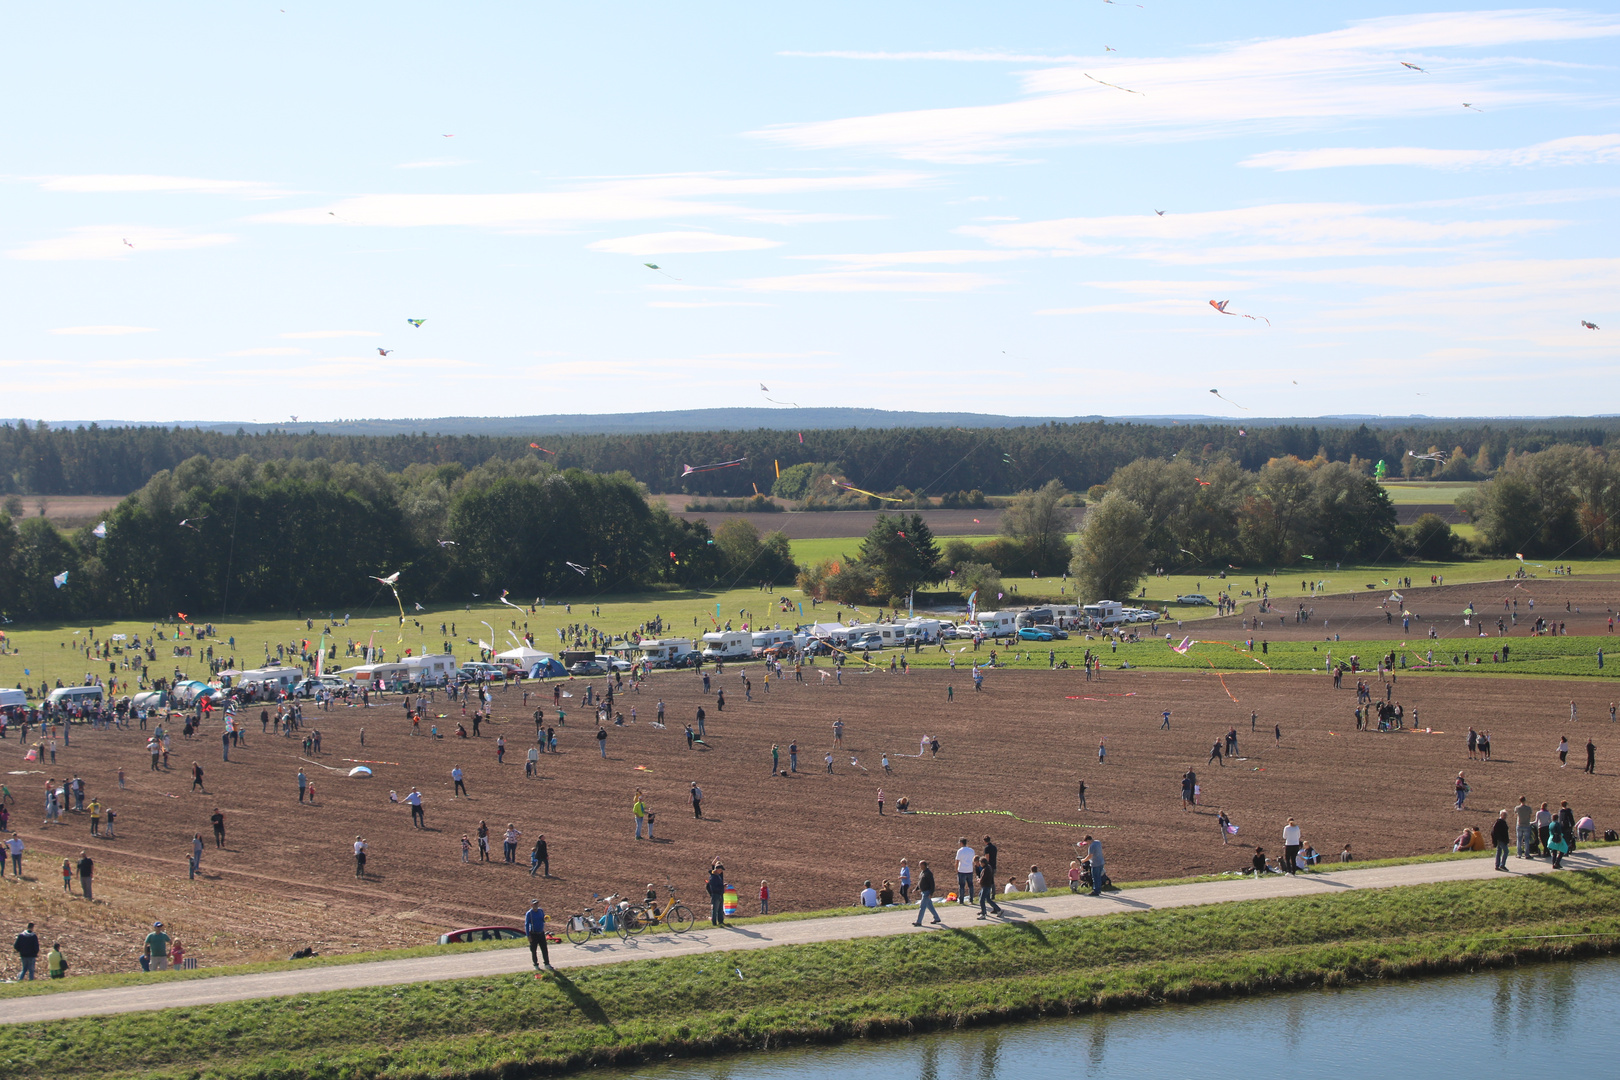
(925, 893)
(217, 819)
(987, 887)
(26, 946)
(542, 855)
(86, 868)
(1499, 837)
(697, 800)
(1290, 846)
(15, 847)
(1165, 726)
(1563, 751)
(601, 739)
(196, 777)
(534, 925)
(1082, 794)
(965, 863)
(716, 888)
(1591, 757)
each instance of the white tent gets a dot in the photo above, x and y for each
(523, 656)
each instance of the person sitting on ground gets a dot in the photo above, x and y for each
(1345, 856)
(869, 896)
(1036, 882)
(886, 895)
(1258, 863)
(1477, 843)
(1310, 855)
(1074, 876)
(902, 804)
(1463, 842)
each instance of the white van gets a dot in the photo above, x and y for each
(13, 699)
(924, 630)
(997, 623)
(728, 645)
(84, 697)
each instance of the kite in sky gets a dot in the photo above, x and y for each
(507, 602)
(1201, 483)
(1438, 455)
(61, 579)
(1414, 67)
(1099, 82)
(688, 470)
(1242, 433)
(873, 494)
(100, 531)
(773, 401)
(661, 270)
(1380, 470)
(576, 568)
(419, 607)
(1159, 212)
(1220, 306)
(128, 244)
(1466, 105)
(543, 450)
(1109, 48)
(390, 580)
(448, 543)
(186, 523)
(382, 351)
(416, 322)
(1229, 401)
(1588, 325)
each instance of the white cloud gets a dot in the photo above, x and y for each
(103, 331)
(114, 242)
(854, 281)
(762, 355)
(940, 257)
(954, 55)
(278, 350)
(681, 243)
(614, 199)
(433, 163)
(1576, 150)
(1277, 84)
(1255, 233)
(305, 335)
(1135, 307)
(142, 183)
(707, 303)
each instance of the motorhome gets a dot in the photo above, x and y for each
(770, 639)
(434, 669)
(667, 652)
(84, 697)
(728, 645)
(1066, 616)
(865, 636)
(924, 630)
(1035, 616)
(275, 677)
(997, 623)
(1105, 613)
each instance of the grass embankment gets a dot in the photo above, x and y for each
(688, 1006)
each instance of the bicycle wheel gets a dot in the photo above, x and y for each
(643, 920)
(579, 930)
(678, 918)
(627, 923)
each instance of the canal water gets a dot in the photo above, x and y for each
(1516, 1023)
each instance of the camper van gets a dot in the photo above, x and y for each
(667, 652)
(1105, 613)
(81, 697)
(275, 678)
(925, 631)
(865, 636)
(997, 623)
(728, 645)
(1066, 616)
(770, 639)
(1035, 616)
(433, 669)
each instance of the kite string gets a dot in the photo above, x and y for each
(1006, 813)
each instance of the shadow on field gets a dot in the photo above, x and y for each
(581, 1000)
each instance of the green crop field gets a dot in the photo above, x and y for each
(1408, 493)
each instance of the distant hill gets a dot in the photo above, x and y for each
(749, 419)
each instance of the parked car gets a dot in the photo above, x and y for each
(481, 933)
(586, 667)
(1195, 599)
(314, 685)
(1061, 635)
(1035, 633)
(614, 663)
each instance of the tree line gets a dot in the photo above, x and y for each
(932, 462)
(209, 538)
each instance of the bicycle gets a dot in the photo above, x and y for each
(675, 915)
(582, 927)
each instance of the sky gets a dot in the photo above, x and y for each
(224, 212)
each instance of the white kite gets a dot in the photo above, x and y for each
(100, 531)
(61, 579)
(1438, 456)
(1220, 306)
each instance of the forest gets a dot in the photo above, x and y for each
(36, 459)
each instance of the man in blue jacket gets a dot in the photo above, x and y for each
(534, 923)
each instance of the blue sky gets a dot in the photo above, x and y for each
(222, 212)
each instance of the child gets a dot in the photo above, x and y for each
(1074, 876)
(67, 877)
(905, 882)
(466, 848)
(111, 816)
(764, 897)
(312, 792)
(120, 777)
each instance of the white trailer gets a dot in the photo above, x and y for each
(435, 669)
(924, 630)
(770, 639)
(997, 623)
(1105, 613)
(276, 676)
(666, 652)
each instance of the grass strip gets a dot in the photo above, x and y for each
(697, 1005)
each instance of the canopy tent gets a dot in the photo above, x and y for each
(523, 656)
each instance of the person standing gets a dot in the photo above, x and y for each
(793, 755)
(776, 758)
(509, 842)
(1290, 846)
(542, 856)
(925, 893)
(905, 882)
(1226, 827)
(697, 800)
(1591, 757)
(1563, 751)
(534, 925)
(716, 889)
(964, 872)
(1082, 794)
(26, 946)
(1499, 837)
(15, 847)
(601, 739)
(418, 819)
(1094, 854)
(359, 857)
(639, 810)
(303, 785)
(483, 841)
(460, 782)
(157, 943)
(1524, 817)
(218, 820)
(95, 817)
(1461, 787)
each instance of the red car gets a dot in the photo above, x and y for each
(482, 933)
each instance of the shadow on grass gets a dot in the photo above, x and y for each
(581, 1000)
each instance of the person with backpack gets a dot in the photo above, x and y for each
(55, 963)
